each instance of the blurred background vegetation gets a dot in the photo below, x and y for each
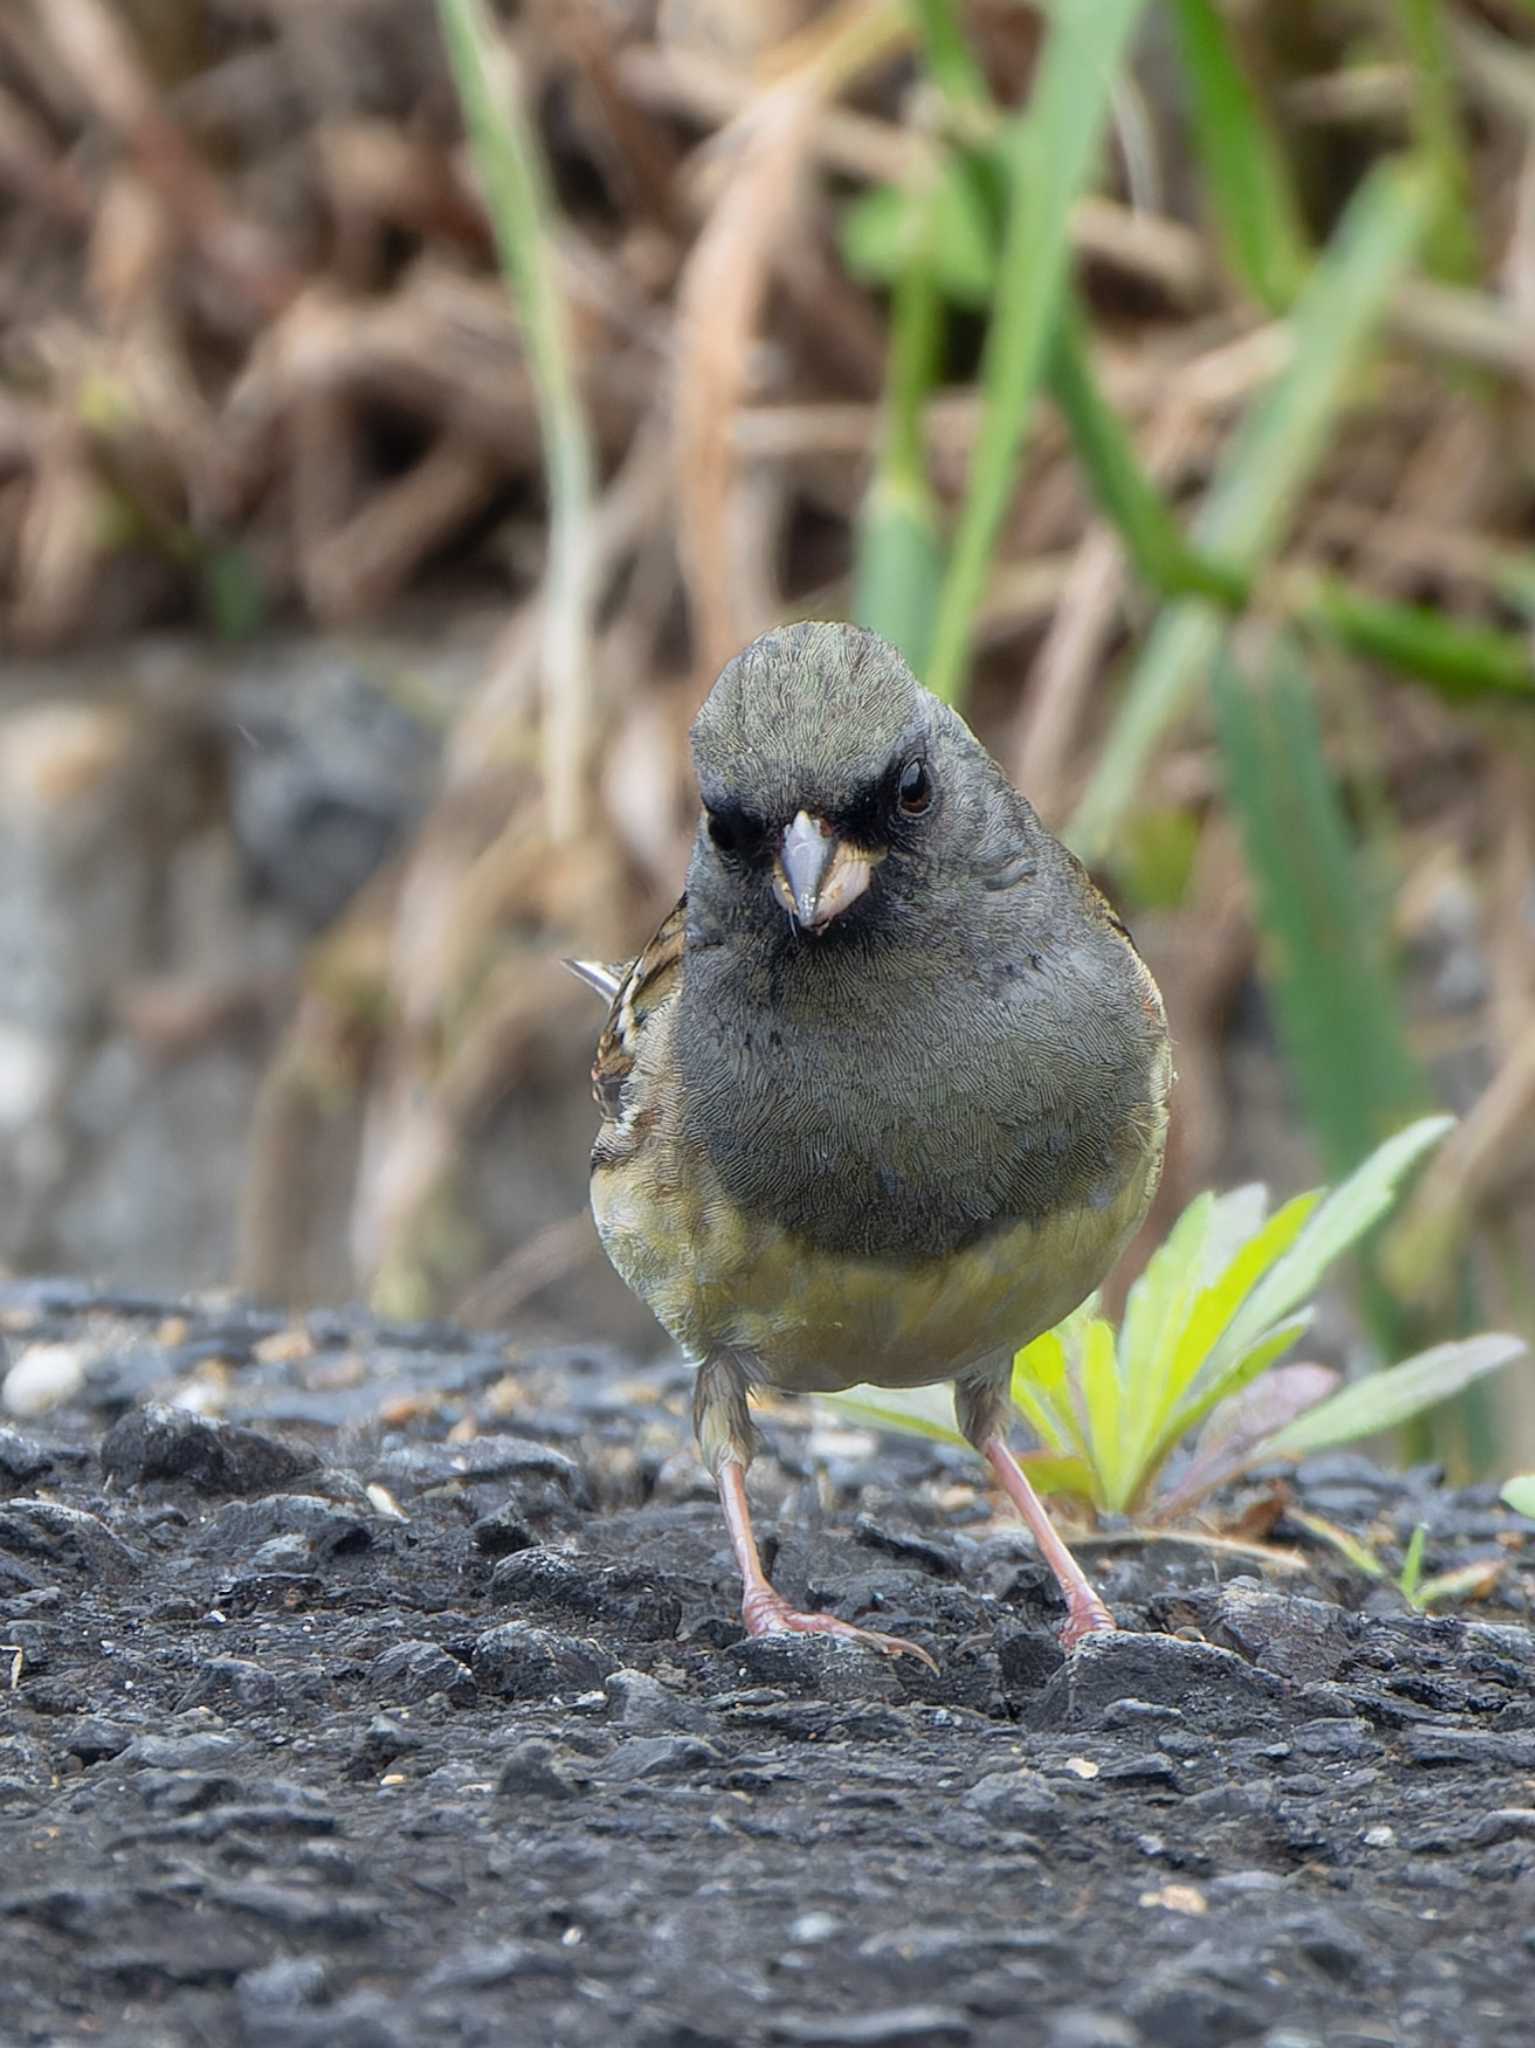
(405, 410)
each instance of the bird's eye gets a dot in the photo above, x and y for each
(914, 791)
(733, 832)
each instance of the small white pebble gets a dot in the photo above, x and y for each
(1381, 1837)
(814, 1927)
(1177, 1898)
(200, 1396)
(44, 1376)
(1081, 1767)
(385, 1503)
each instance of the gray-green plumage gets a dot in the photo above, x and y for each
(972, 1044)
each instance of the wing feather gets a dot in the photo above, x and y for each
(649, 983)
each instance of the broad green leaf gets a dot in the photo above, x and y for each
(913, 1411)
(1157, 1302)
(1250, 1261)
(1200, 1350)
(880, 232)
(1042, 1418)
(1229, 1441)
(1041, 1389)
(1101, 1398)
(1043, 1363)
(1338, 1222)
(1260, 478)
(1161, 1306)
(890, 228)
(1050, 156)
(964, 248)
(1519, 1494)
(1239, 1216)
(1242, 1371)
(1049, 1475)
(1386, 1399)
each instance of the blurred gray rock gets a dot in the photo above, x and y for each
(328, 773)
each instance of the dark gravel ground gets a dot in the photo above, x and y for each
(407, 1703)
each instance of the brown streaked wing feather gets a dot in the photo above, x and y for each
(652, 979)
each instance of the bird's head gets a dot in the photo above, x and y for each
(836, 790)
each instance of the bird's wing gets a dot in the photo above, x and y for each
(648, 984)
(601, 977)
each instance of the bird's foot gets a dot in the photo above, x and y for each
(767, 1613)
(1086, 1617)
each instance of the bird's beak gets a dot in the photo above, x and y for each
(817, 875)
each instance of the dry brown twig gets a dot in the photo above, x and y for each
(719, 302)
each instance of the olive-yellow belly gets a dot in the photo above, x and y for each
(817, 1321)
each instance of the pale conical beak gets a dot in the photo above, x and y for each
(817, 875)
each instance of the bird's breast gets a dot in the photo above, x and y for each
(817, 1320)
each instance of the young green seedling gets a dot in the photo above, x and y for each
(1150, 1418)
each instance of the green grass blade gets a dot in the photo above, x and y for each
(1152, 537)
(1358, 1553)
(1411, 1575)
(1452, 243)
(1338, 1009)
(511, 169)
(950, 61)
(1049, 156)
(1246, 174)
(899, 560)
(1461, 661)
(1245, 516)
(1385, 1400)
(899, 569)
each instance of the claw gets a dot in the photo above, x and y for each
(767, 1613)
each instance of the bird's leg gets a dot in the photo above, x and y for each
(983, 1411)
(727, 1440)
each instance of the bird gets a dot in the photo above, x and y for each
(886, 1095)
